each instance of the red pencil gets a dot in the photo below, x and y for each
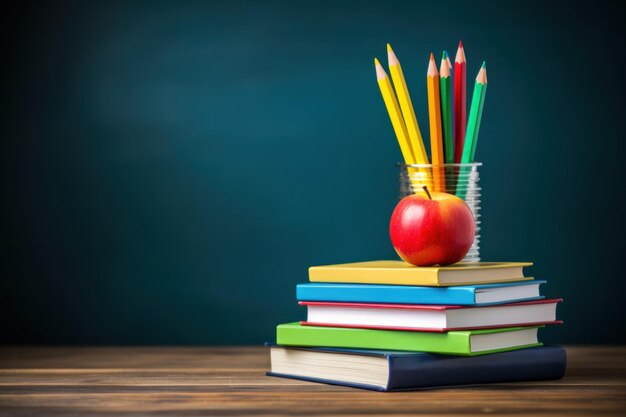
(460, 100)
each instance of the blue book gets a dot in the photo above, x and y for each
(396, 371)
(470, 295)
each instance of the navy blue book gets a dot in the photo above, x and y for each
(397, 371)
(461, 295)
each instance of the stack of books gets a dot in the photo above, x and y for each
(388, 325)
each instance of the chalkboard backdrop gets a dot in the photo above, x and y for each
(171, 169)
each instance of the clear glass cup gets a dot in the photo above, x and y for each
(460, 179)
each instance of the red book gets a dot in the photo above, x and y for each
(430, 318)
(460, 102)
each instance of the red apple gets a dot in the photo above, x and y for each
(432, 228)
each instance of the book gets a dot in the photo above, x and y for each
(459, 342)
(433, 318)
(402, 273)
(395, 371)
(478, 295)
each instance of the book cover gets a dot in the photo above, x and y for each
(478, 295)
(466, 342)
(402, 273)
(396, 371)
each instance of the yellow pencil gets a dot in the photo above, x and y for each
(394, 113)
(408, 113)
(434, 113)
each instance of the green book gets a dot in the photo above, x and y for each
(466, 343)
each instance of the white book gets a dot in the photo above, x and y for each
(430, 317)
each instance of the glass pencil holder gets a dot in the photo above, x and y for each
(459, 179)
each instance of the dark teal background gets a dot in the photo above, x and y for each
(171, 169)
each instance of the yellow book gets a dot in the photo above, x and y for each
(402, 273)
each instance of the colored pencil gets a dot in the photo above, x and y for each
(460, 99)
(393, 109)
(408, 113)
(475, 116)
(446, 109)
(434, 112)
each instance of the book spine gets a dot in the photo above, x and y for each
(428, 371)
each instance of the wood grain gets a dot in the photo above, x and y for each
(64, 381)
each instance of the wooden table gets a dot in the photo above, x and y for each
(54, 381)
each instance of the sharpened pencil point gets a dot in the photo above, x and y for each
(392, 59)
(444, 68)
(448, 59)
(460, 54)
(484, 65)
(380, 72)
(432, 67)
(481, 78)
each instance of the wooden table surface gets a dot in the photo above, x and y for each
(54, 381)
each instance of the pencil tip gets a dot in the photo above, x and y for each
(460, 54)
(432, 67)
(444, 68)
(448, 59)
(380, 72)
(392, 59)
(445, 52)
(484, 65)
(482, 75)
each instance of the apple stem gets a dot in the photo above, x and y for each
(427, 192)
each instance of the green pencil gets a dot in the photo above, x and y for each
(446, 109)
(476, 113)
(473, 126)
